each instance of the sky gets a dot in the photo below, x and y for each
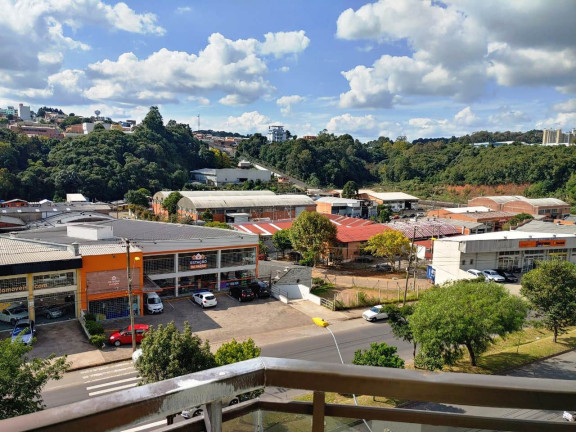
(416, 68)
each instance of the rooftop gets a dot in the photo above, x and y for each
(508, 235)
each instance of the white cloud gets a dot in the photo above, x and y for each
(248, 122)
(466, 117)
(457, 46)
(286, 103)
(566, 106)
(562, 120)
(282, 43)
(346, 123)
(183, 9)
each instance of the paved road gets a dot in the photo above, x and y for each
(318, 345)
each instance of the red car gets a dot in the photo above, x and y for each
(125, 336)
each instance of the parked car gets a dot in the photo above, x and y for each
(260, 288)
(154, 303)
(383, 267)
(242, 293)
(125, 336)
(52, 312)
(492, 275)
(24, 331)
(477, 273)
(205, 299)
(13, 314)
(364, 259)
(507, 275)
(375, 313)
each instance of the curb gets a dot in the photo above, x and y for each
(89, 366)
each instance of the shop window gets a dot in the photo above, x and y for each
(54, 280)
(11, 285)
(159, 264)
(188, 284)
(238, 257)
(168, 287)
(235, 278)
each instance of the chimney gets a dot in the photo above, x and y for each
(75, 249)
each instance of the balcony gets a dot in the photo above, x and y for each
(149, 403)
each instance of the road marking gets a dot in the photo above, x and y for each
(109, 366)
(112, 389)
(112, 383)
(109, 376)
(146, 426)
(109, 372)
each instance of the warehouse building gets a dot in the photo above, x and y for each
(515, 251)
(550, 208)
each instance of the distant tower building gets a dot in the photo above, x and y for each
(24, 112)
(276, 134)
(556, 137)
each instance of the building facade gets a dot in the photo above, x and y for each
(276, 133)
(548, 208)
(221, 177)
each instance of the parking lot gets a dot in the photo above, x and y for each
(229, 319)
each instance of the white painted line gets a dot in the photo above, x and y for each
(109, 376)
(109, 366)
(276, 226)
(146, 426)
(111, 371)
(112, 383)
(112, 389)
(262, 229)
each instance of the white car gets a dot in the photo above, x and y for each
(13, 314)
(205, 299)
(477, 273)
(492, 275)
(375, 313)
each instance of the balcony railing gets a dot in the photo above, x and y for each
(166, 399)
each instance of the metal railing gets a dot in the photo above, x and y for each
(130, 407)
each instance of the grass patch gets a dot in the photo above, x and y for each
(518, 349)
(347, 399)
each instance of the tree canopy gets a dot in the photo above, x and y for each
(233, 352)
(168, 353)
(380, 355)
(170, 204)
(22, 378)
(551, 289)
(281, 241)
(312, 233)
(350, 190)
(390, 244)
(465, 314)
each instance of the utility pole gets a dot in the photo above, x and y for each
(408, 266)
(130, 299)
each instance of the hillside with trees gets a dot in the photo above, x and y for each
(102, 165)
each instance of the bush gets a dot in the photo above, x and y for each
(90, 316)
(307, 262)
(94, 328)
(98, 340)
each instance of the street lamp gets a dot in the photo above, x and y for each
(321, 323)
(130, 296)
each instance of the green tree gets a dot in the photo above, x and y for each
(233, 352)
(170, 204)
(221, 225)
(281, 241)
(168, 353)
(350, 189)
(138, 197)
(465, 314)
(207, 216)
(399, 320)
(551, 289)
(380, 355)
(312, 233)
(519, 218)
(390, 244)
(22, 379)
(384, 213)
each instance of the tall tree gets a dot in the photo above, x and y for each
(22, 379)
(551, 288)
(168, 353)
(312, 233)
(233, 352)
(138, 197)
(390, 244)
(281, 241)
(380, 355)
(350, 189)
(465, 314)
(399, 320)
(170, 204)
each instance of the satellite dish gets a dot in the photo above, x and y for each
(97, 112)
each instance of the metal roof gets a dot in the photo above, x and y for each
(458, 210)
(509, 235)
(336, 200)
(461, 223)
(540, 202)
(193, 194)
(14, 251)
(236, 201)
(539, 226)
(347, 221)
(262, 228)
(424, 228)
(388, 196)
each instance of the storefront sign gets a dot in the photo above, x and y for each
(198, 261)
(113, 282)
(541, 243)
(8, 290)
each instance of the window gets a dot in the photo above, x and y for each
(13, 285)
(463, 262)
(471, 261)
(159, 264)
(238, 257)
(197, 260)
(54, 280)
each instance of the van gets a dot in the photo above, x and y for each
(154, 303)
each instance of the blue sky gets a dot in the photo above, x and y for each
(383, 68)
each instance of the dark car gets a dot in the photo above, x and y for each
(260, 288)
(53, 312)
(507, 275)
(242, 293)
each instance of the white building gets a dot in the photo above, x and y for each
(276, 133)
(219, 177)
(557, 137)
(511, 250)
(24, 112)
(397, 201)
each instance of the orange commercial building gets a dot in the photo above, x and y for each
(549, 208)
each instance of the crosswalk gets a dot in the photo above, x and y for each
(110, 378)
